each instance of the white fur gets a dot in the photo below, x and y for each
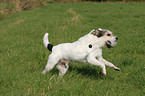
(45, 40)
(77, 51)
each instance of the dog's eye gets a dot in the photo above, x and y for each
(108, 34)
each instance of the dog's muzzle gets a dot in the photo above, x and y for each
(111, 43)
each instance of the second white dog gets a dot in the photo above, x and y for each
(87, 49)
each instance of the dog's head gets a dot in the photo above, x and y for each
(110, 39)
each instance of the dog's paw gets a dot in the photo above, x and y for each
(43, 72)
(104, 72)
(116, 68)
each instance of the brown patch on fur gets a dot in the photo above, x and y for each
(98, 33)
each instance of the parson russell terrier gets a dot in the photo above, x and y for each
(87, 49)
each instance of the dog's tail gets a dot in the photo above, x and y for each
(46, 42)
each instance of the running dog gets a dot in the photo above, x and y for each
(87, 49)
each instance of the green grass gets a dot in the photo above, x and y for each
(23, 56)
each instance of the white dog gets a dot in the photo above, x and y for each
(87, 49)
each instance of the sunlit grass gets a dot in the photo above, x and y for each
(23, 56)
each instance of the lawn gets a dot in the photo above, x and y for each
(23, 55)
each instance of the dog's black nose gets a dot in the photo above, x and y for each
(116, 38)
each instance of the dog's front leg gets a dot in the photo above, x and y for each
(94, 61)
(101, 59)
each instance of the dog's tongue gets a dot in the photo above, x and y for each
(109, 42)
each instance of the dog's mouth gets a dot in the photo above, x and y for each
(108, 44)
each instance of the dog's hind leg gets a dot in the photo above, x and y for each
(62, 66)
(52, 61)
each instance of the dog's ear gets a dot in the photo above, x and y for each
(94, 32)
(98, 33)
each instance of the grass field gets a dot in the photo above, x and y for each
(23, 56)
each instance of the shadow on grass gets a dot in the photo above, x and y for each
(90, 72)
(85, 71)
